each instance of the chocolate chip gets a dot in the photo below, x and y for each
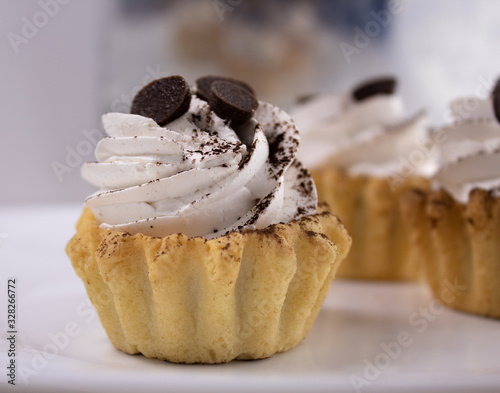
(232, 102)
(496, 88)
(163, 100)
(374, 87)
(496, 102)
(204, 84)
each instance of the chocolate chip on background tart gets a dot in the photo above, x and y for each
(496, 101)
(374, 87)
(496, 88)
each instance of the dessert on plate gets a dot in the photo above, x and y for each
(204, 243)
(456, 224)
(364, 152)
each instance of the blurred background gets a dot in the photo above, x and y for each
(65, 62)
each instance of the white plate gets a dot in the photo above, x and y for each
(61, 346)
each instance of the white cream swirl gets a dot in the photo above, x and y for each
(372, 136)
(470, 151)
(195, 176)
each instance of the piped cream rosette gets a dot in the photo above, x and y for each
(195, 176)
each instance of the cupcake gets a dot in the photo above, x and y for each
(364, 153)
(456, 224)
(204, 243)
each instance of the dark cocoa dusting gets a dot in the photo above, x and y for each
(245, 160)
(276, 150)
(322, 235)
(215, 149)
(307, 208)
(282, 150)
(305, 187)
(261, 206)
(301, 211)
(267, 231)
(312, 233)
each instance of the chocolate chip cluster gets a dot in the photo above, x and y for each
(167, 99)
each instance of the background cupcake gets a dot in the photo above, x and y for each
(456, 225)
(364, 152)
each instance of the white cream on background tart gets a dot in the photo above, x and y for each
(364, 131)
(470, 154)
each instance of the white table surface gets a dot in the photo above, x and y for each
(446, 351)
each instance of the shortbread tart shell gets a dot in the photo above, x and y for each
(459, 246)
(245, 295)
(370, 209)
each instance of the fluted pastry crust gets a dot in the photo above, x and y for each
(459, 245)
(244, 295)
(369, 208)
